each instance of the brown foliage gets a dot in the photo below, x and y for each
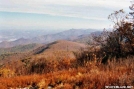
(119, 42)
(87, 77)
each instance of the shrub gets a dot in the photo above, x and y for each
(119, 42)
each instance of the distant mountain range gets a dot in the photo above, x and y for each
(87, 39)
(72, 35)
(14, 34)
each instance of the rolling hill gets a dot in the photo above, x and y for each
(56, 50)
(17, 52)
(59, 50)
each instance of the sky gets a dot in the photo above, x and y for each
(58, 14)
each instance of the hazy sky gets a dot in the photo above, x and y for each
(58, 14)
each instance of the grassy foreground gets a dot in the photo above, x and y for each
(89, 76)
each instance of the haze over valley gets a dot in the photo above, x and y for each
(12, 34)
(15, 38)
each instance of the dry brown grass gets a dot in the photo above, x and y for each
(89, 76)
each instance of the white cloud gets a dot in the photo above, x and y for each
(113, 3)
(95, 12)
(88, 9)
(102, 3)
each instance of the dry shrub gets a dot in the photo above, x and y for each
(37, 66)
(43, 65)
(92, 56)
(5, 72)
(116, 73)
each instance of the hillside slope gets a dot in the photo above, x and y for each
(59, 50)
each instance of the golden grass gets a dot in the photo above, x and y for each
(90, 76)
